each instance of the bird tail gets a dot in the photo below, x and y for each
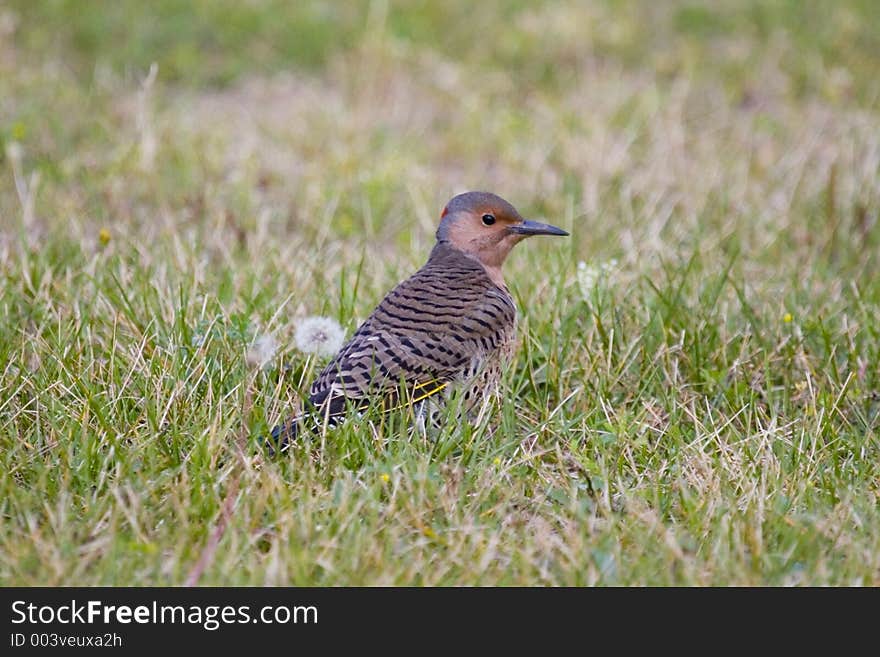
(321, 413)
(326, 410)
(282, 436)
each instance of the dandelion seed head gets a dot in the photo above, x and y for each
(319, 335)
(262, 351)
(14, 152)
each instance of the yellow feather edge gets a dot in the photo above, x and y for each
(416, 388)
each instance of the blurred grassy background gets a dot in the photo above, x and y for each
(214, 43)
(704, 410)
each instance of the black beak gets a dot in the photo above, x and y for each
(536, 228)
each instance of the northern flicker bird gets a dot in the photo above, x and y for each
(450, 325)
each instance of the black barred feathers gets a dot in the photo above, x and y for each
(448, 325)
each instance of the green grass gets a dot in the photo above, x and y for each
(706, 412)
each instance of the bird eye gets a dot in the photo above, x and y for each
(488, 219)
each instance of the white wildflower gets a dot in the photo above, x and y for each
(14, 152)
(319, 335)
(262, 351)
(590, 276)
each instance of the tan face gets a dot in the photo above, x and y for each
(486, 232)
(487, 227)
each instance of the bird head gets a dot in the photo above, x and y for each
(487, 227)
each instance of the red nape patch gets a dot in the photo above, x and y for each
(444, 213)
